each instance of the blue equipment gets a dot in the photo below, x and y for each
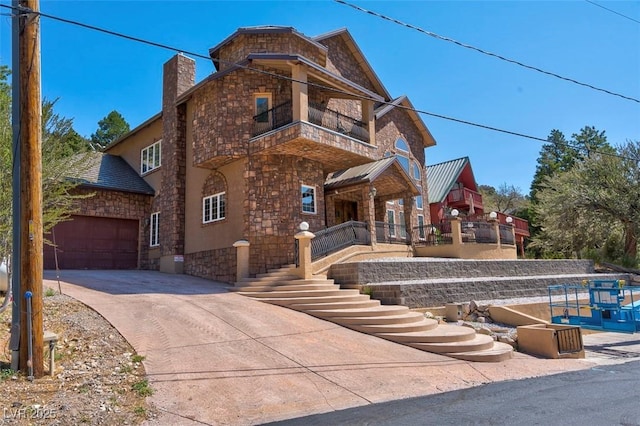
(612, 306)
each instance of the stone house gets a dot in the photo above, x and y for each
(289, 128)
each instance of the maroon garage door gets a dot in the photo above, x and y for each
(87, 242)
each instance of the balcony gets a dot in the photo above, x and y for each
(336, 140)
(464, 198)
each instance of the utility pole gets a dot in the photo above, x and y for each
(30, 140)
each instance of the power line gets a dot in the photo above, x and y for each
(290, 79)
(485, 52)
(613, 11)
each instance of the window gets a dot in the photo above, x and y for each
(416, 171)
(308, 199)
(213, 208)
(262, 107)
(150, 157)
(154, 231)
(391, 220)
(403, 154)
(421, 234)
(419, 202)
(402, 225)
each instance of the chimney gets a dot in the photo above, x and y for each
(178, 76)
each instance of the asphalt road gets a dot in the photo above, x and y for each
(603, 395)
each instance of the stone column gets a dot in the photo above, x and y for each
(409, 213)
(304, 269)
(368, 200)
(242, 260)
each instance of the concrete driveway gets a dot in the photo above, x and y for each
(215, 357)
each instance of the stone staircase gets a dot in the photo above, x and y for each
(322, 298)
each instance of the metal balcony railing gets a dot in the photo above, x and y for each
(320, 115)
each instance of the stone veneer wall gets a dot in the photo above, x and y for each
(217, 265)
(341, 61)
(274, 206)
(178, 76)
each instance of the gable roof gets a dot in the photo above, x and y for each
(359, 56)
(427, 137)
(367, 173)
(111, 172)
(442, 176)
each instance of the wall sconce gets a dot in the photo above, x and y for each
(493, 215)
(373, 192)
(455, 212)
(509, 220)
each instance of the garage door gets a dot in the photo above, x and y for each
(94, 243)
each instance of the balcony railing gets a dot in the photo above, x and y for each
(272, 119)
(282, 115)
(322, 116)
(464, 197)
(478, 232)
(392, 233)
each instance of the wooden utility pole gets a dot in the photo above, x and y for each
(30, 267)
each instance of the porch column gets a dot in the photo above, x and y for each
(368, 117)
(300, 97)
(410, 212)
(456, 233)
(368, 202)
(496, 229)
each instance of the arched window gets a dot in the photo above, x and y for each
(416, 171)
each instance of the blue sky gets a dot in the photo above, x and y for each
(93, 73)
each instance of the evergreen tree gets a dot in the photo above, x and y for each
(110, 128)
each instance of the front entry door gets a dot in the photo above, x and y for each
(346, 211)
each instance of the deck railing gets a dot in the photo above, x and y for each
(478, 232)
(432, 234)
(337, 237)
(506, 235)
(392, 233)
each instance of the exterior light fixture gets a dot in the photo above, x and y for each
(455, 212)
(493, 215)
(509, 220)
(304, 226)
(373, 192)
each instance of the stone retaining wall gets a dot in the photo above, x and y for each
(417, 268)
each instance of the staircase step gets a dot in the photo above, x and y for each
(316, 309)
(312, 295)
(292, 287)
(269, 277)
(442, 334)
(375, 310)
(422, 325)
(283, 268)
(407, 317)
(481, 342)
(499, 352)
(323, 300)
(284, 280)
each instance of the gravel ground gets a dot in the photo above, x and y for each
(98, 380)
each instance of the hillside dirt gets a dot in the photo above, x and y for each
(98, 379)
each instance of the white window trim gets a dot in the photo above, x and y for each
(315, 199)
(150, 152)
(154, 230)
(217, 198)
(416, 200)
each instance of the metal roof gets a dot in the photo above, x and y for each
(111, 172)
(442, 176)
